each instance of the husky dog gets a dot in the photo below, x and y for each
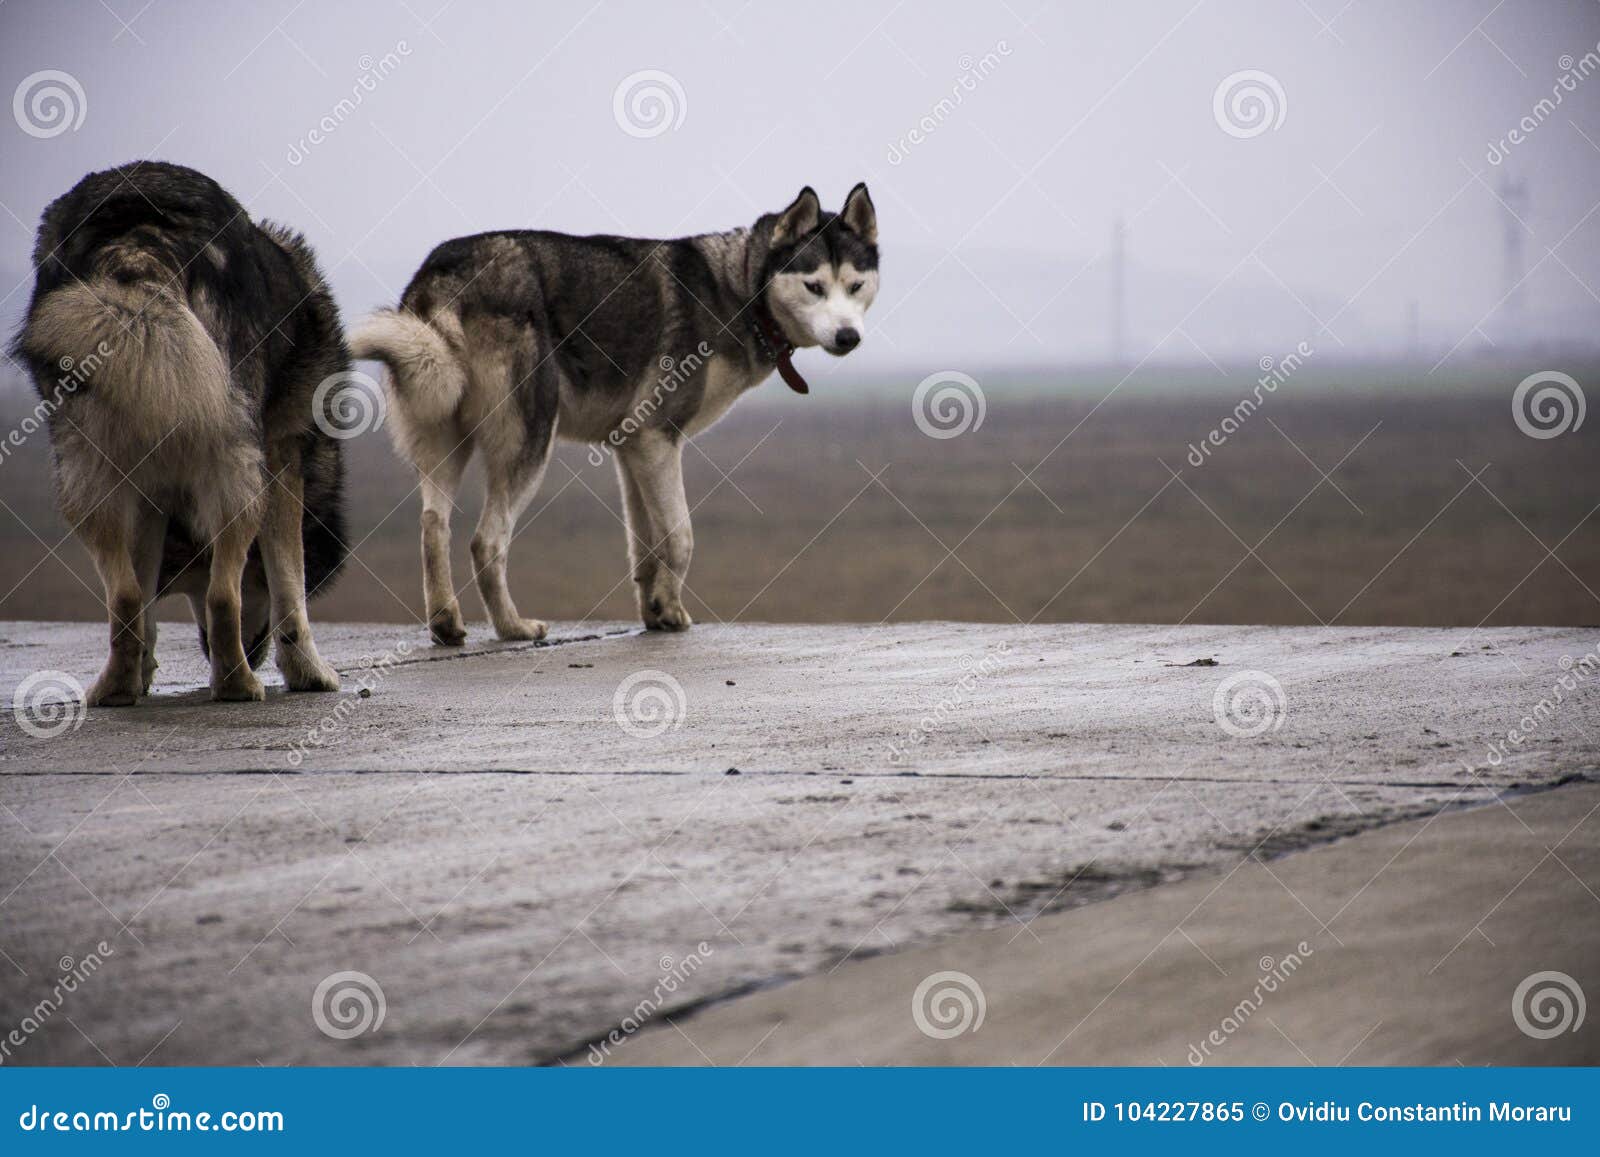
(504, 341)
(187, 457)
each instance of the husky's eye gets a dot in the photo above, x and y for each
(856, 285)
(815, 287)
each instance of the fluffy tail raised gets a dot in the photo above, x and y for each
(136, 347)
(426, 378)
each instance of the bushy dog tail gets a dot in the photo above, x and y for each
(426, 378)
(133, 344)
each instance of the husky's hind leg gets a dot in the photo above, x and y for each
(510, 487)
(516, 448)
(283, 554)
(110, 532)
(150, 539)
(440, 457)
(231, 676)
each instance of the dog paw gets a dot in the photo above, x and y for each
(243, 687)
(308, 673)
(523, 631)
(112, 692)
(660, 616)
(447, 628)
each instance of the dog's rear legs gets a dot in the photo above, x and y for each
(653, 463)
(231, 677)
(283, 553)
(150, 540)
(510, 488)
(111, 532)
(440, 461)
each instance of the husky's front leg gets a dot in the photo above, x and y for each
(653, 463)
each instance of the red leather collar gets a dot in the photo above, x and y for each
(782, 350)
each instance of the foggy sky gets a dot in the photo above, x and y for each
(1372, 193)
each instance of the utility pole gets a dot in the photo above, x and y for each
(1119, 261)
(1514, 210)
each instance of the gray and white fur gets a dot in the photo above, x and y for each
(505, 341)
(186, 455)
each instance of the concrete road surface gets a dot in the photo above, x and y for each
(511, 851)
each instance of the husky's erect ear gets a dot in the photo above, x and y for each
(859, 214)
(799, 218)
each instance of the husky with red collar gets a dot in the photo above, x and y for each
(506, 341)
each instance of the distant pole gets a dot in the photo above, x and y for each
(1413, 332)
(1119, 260)
(1514, 211)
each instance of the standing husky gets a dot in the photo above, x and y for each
(204, 336)
(504, 341)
